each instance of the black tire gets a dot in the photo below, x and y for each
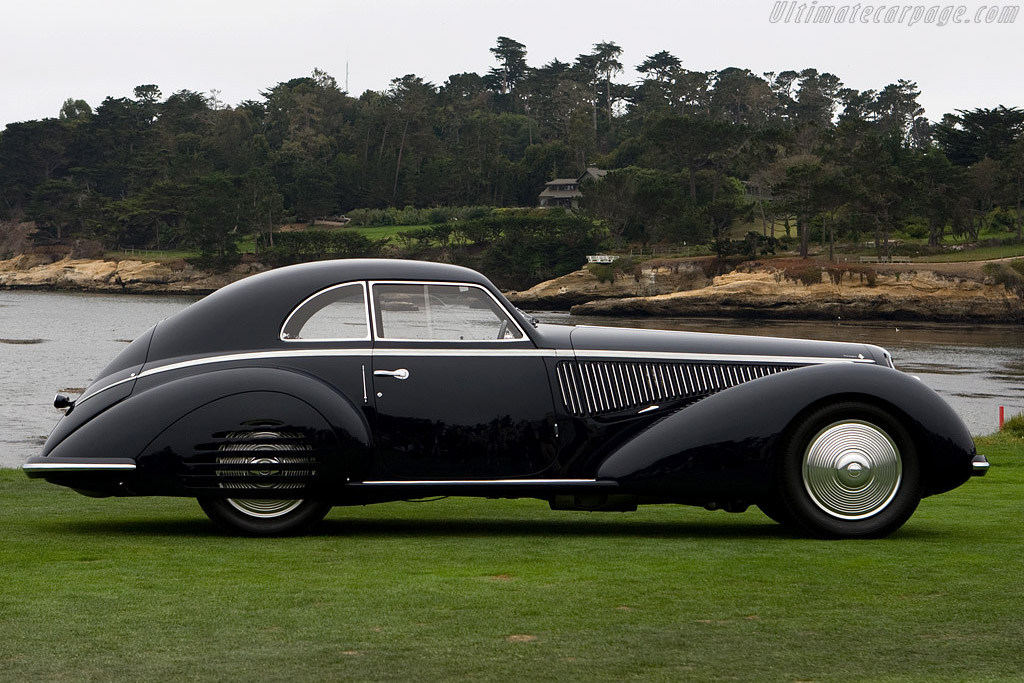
(778, 512)
(263, 517)
(848, 470)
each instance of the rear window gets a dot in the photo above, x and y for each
(335, 314)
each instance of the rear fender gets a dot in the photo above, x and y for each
(725, 443)
(190, 414)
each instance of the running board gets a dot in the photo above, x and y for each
(485, 483)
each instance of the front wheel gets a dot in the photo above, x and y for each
(263, 517)
(849, 470)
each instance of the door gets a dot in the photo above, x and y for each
(460, 390)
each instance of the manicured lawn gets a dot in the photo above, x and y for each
(145, 589)
(979, 254)
(377, 232)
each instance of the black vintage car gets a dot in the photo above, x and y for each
(364, 381)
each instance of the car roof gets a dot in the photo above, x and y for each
(248, 314)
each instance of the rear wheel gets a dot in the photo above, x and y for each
(849, 470)
(277, 456)
(263, 517)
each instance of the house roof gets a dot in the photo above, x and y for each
(562, 181)
(567, 194)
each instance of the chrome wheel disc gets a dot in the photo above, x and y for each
(256, 507)
(852, 470)
(263, 465)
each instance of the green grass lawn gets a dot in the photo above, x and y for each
(146, 589)
(377, 232)
(979, 254)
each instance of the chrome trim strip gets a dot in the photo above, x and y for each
(638, 356)
(77, 466)
(82, 399)
(477, 482)
(641, 356)
(484, 353)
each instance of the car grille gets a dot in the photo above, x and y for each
(600, 387)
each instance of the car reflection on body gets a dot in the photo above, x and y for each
(362, 381)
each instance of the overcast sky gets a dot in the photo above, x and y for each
(54, 49)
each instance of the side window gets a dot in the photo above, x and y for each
(441, 313)
(334, 314)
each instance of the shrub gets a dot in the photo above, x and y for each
(317, 245)
(524, 247)
(720, 266)
(14, 238)
(604, 272)
(90, 249)
(804, 274)
(1009, 275)
(410, 215)
(1015, 425)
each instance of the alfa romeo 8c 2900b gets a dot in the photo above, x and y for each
(363, 381)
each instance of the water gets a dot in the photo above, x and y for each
(52, 342)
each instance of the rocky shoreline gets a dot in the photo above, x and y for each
(666, 288)
(768, 291)
(37, 272)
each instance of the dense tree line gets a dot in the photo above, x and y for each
(689, 152)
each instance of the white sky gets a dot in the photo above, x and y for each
(54, 49)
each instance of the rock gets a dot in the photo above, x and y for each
(581, 286)
(763, 293)
(140, 277)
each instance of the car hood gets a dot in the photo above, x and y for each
(620, 342)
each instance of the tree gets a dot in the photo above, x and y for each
(261, 205)
(511, 70)
(607, 64)
(898, 114)
(969, 136)
(661, 67)
(74, 110)
(796, 195)
(816, 100)
(1013, 175)
(31, 152)
(213, 217)
(52, 206)
(742, 98)
(938, 188)
(691, 144)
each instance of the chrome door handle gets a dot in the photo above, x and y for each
(400, 373)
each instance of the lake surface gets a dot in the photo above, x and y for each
(57, 342)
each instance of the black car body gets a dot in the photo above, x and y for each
(361, 381)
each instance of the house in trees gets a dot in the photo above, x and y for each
(565, 192)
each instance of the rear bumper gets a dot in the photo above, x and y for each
(979, 466)
(40, 467)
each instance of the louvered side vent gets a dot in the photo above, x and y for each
(599, 387)
(254, 460)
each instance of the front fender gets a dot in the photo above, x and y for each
(724, 444)
(160, 425)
